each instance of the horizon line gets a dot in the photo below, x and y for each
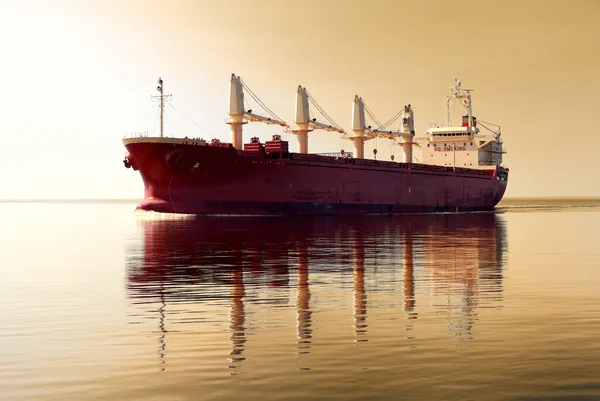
(91, 200)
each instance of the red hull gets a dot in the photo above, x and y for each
(182, 178)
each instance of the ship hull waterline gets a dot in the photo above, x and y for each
(214, 180)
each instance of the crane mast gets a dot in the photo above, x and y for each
(359, 127)
(363, 133)
(238, 114)
(304, 124)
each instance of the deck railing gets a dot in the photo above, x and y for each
(347, 155)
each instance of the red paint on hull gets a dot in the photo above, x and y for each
(220, 180)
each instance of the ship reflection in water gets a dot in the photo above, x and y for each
(244, 277)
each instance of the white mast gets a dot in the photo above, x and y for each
(162, 106)
(161, 98)
(304, 124)
(302, 120)
(359, 127)
(464, 96)
(236, 111)
(408, 133)
(238, 114)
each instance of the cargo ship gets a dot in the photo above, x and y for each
(461, 167)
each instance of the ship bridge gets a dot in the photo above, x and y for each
(462, 147)
(465, 145)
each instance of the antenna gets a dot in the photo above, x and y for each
(462, 95)
(161, 98)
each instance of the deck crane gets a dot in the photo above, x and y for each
(305, 124)
(238, 114)
(363, 133)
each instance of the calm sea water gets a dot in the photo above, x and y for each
(101, 303)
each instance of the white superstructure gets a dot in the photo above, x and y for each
(464, 145)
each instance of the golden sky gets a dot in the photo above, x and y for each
(77, 76)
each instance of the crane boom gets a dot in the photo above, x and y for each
(318, 125)
(376, 133)
(267, 120)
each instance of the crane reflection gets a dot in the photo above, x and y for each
(448, 263)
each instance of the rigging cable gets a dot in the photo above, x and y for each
(192, 121)
(371, 114)
(495, 125)
(154, 125)
(320, 109)
(384, 125)
(260, 102)
(391, 120)
(485, 122)
(484, 126)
